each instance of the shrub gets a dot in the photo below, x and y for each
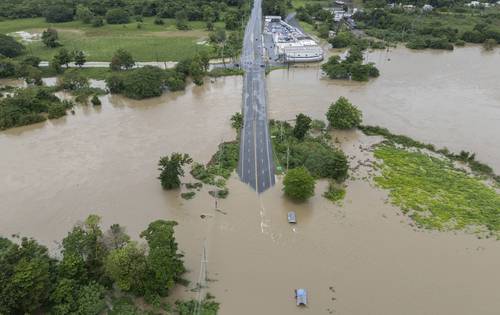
(115, 83)
(117, 16)
(97, 22)
(299, 184)
(95, 100)
(143, 83)
(343, 115)
(56, 110)
(73, 80)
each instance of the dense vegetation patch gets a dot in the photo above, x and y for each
(351, 68)
(94, 264)
(436, 194)
(29, 106)
(439, 29)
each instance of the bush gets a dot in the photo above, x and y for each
(58, 14)
(9, 47)
(299, 184)
(343, 115)
(115, 84)
(95, 101)
(97, 22)
(56, 110)
(342, 40)
(117, 16)
(143, 83)
(73, 80)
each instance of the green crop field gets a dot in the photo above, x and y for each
(150, 42)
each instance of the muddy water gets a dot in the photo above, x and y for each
(103, 160)
(450, 99)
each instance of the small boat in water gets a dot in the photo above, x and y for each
(292, 218)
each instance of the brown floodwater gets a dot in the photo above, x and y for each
(359, 257)
(447, 98)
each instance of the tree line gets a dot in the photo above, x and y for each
(93, 264)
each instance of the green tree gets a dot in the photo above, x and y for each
(343, 115)
(79, 57)
(302, 126)
(63, 57)
(50, 38)
(116, 237)
(143, 83)
(58, 14)
(25, 275)
(126, 266)
(170, 168)
(90, 299)
(117, 16)
(299, 184)
(86, 242)
(164, 263)
(122, 59)
(9, 47)
(84, 14)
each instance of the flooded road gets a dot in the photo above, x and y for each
(361, 257)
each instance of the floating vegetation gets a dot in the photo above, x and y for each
(436, 194)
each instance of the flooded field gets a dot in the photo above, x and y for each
(447, 98)
(361, 257)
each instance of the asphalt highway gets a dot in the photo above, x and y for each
(255, 167)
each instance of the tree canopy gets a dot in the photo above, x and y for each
(299, 184)
(343, 115)
(170, 168)
(92, 263)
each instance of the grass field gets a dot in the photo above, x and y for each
(149, 43)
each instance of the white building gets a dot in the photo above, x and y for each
(290, 43)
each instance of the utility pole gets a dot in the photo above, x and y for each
(202, 280)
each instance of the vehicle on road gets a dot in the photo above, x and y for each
(292, 217)
(301, 297)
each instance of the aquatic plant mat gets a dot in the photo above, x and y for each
(435, 193)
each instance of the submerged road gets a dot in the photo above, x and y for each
(256, 167)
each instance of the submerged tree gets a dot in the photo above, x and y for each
(171, 169)
(299, 184)
(343, 115)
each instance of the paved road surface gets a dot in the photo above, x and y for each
(256, 166)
